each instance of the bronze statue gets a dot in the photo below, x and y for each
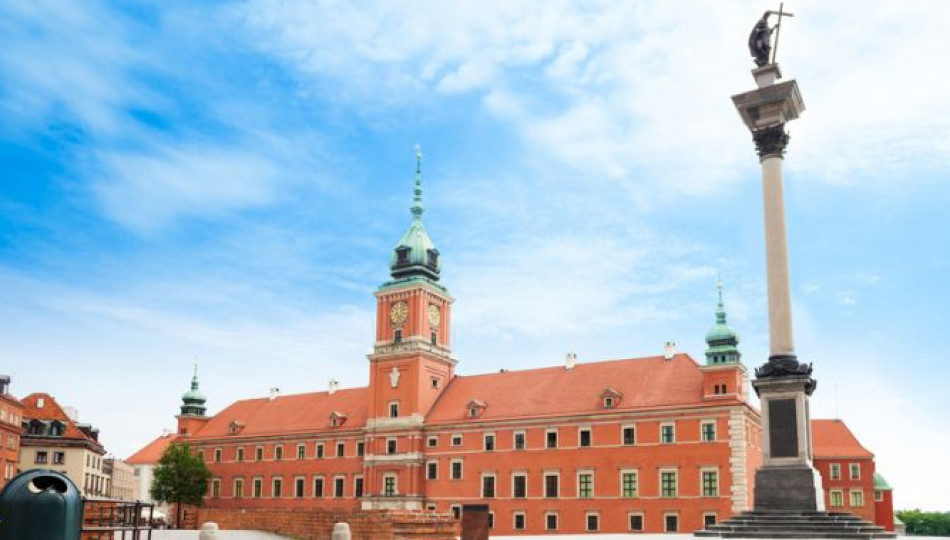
(760, 40)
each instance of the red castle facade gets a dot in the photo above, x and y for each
(652, 444)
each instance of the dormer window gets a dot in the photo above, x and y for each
(402, 255)
(610, 398)
(235, 427)
(57, 428)
(337, 419)
(475, 408)
(433, 259)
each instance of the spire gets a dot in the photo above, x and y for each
(723, 341)
(193, 401)
(417, 207)
(415, 256)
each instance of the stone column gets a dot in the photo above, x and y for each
(786, 481)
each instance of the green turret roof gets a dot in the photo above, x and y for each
(881, 483)
(193, 401)
(415, 255)
(723, 341)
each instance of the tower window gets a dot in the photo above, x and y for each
(397, 335)
(394, 410)
(402, 255)
(433, 259)
(434, 338)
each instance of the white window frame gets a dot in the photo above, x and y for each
(456, 509)
(628, 426)
(642, 521)
(357, 479)
(234, 488)
(856, 494)
(702, 430)
(320, 450)
(461, 463)
(395, 479)
(522, 474)
(636, 482)
(852, 467)
(834, 471)
(395, 442)
(430, 463)
(323, 486)
(514, 438)
(676, 482)
(218, 455)
(714, 515)
(481, 486)
(457, 437)
(343, 483)
(432, 441)
(337, 452)
(303, 493)
(831, 498)
(671, 425)
(557, 521)
(590, 436)
(273, 485)
(514, 521)
(544, 485)
(392, 406)
(257, 480)
(494, 442)
(577, 479)
(669, 515)
(702, 483)
(302, 455)
(557, 441)
(216, 488)
(587, 516)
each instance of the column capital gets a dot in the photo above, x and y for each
(770, 141)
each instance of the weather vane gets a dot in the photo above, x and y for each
(760, 39)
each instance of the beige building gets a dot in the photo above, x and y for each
(122, 482)
(52, 439)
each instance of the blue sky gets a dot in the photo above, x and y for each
(224, 181)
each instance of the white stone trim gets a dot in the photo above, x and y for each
(738, 459)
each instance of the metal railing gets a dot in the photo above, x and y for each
(108, 519)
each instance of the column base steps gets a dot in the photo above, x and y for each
(773, 524)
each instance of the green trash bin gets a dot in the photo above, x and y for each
(40, 505)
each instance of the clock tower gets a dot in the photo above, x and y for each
(410, 365)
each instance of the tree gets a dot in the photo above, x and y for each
(925, 523)
(181, 478)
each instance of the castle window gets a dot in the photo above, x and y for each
(456, 469)
(671, 522)
(277, 488)
(394, 410)
(59, 458)
(390, 446)
(299, 487)
(519, 521)
(41, 457)
(319, 451)
(358, 487)
(489, 442)
(608, 403)
(836, 497)
(550, 521)
(668, 433)
(217, 455)
(434, 338)
(340, 449)
(488, 486)
(519, 485)
(259, 453)
(584, 436)
(238, 488)
(473, 412)
(708, 431)
(835, 470)
(338, 485)
(668, 483)
(240, 453)
(435, 382)
(855, 470)
(215, 488)
(551, 483)
(360, 449)
(857, 497)
(629, 435)
(301, 451)
(593, 522)
(432, 470)
(710, 483)
(709, 520)
(278, 452)
(456, 511)
(258, 487)
(432, 441)
(433, 261)
(519, 440)
(456, 440)
(397, 335)
(389, 485)
(585, 485)
(629, 484)
(636, 522)
(318, 486)
(551, 438)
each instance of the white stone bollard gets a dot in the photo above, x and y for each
(341, 531)
(209, 531)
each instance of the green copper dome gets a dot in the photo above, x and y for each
(880, 483)
(723, 341)
(193, 401)
(415, 255)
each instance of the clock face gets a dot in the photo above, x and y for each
(434, 315)
(399, 312)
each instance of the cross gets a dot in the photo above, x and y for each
(778, 25)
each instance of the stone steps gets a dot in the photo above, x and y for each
(794, 525)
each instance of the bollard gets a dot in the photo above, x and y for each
(341, 531)
(209, 531)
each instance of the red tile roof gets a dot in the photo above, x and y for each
(832, 438)
(294, 413)
(643, 383)
(152, 452)
(51, 410)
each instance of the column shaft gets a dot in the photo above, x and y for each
(776, 259)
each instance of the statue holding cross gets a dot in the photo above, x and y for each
(760, 40)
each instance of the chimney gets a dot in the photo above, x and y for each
(570, 361)
(669, 350)
(4, 384)
(334, 386)
(72, 413)
(274, 392)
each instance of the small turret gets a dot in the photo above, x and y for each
(723, 341)
(193, 401)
